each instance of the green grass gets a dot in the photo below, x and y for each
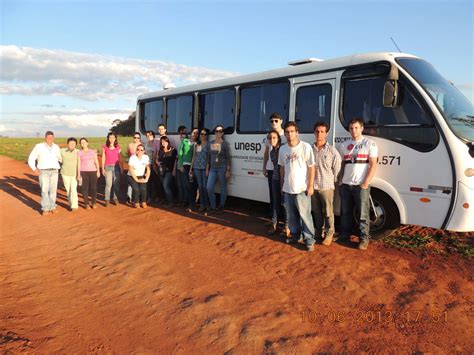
(20, 148)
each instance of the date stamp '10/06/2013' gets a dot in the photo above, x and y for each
(374, 316)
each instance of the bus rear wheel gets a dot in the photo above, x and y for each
(384, 215)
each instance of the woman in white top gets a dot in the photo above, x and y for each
(138, 175)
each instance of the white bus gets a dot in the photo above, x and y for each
(422, 124)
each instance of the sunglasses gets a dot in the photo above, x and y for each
(219, 130)
(140, 150)
(203, 134)
(274, 121)
(136, 137)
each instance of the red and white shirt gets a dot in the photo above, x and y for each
(356, 155)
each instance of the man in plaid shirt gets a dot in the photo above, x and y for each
(328, 166)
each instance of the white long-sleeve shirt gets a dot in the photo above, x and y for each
(47, 157)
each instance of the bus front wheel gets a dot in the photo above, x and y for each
(384, 215)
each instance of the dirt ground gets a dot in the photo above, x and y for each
(118, 279)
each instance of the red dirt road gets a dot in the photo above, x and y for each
(122, 280)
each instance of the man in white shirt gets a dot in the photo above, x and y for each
(296, 163)
(44, 160)
(359, 162)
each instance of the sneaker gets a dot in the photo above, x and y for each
(364, 244)
(328, 240)
(74, 209)
(310, 247)
(144, 205)
(136, 205)
(54, 211)
(94, 206)
(107, 203)
(44, 213)
(285, 233)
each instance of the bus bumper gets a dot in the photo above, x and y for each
(462, 219)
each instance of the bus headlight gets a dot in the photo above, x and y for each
(469, 172)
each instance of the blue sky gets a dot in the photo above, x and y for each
(77, 65)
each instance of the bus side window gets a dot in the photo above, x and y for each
(410, 123)
(313, 104)
(218, 108)
(179, 113)
(152, 115)
(258, 102)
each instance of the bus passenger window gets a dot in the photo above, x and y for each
(218, 108)
(152, 115)
(257, 103)
(409, 123)
(179, 113)
(313, 104)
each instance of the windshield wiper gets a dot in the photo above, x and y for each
(464, 120)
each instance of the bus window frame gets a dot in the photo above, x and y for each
(281, 80)
(416, 95)
(141, 105)
(192, 94)
(200, 119)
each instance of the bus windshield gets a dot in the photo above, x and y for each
(457, 109)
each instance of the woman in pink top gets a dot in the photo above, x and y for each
(112, 167)
(88, 172)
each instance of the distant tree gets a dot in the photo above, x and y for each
(125, 127)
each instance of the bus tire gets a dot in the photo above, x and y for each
(388, 216)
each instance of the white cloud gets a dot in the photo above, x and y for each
(38, 71)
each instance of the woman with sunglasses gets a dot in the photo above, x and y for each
(112, 167)
(138, 175)
(167, 159)
(218, 168)
(198, 167)
(88, 171)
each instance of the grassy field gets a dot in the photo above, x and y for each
(20, 148)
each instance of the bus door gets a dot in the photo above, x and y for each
(313, 100)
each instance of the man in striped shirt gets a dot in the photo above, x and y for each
(328, 166)
(358, 169)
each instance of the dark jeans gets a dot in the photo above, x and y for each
(138, 190)
(167, 179)
(270, 188)
(188, 189)
(152, 185)
(353, 195)
(89, 186)
(277, 208)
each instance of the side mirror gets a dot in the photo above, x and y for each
(390, 89)
(390, 93)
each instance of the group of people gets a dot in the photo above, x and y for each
(302, 178)
(305, 178)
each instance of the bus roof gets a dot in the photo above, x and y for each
(289, 71)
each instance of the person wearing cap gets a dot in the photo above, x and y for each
(44, 160)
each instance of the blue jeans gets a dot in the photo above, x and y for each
(202, 185)
(48, 181)
(298, 212)
(180, 186)
(270, 187)
(167, 179)
(353, 195)
(112, 182)
(214, 175)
